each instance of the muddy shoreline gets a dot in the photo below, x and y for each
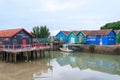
(110, 49)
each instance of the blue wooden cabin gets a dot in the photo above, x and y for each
(62, 36)
(101, 37)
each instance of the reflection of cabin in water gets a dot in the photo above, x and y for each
(15, 37)
(98, 63)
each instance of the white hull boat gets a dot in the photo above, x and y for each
(66, 50)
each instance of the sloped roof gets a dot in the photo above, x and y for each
(11, 32)
(66, 32)
(117, 31)
(96, 32)
(76, 32)
(99, 32)
(86, 32)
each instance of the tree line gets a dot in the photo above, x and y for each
(40, 32)
(112, 25)
(43, 31)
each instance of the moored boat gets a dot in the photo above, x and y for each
(65, 48)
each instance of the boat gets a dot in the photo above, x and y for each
(65, 48)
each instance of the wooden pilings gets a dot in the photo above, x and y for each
(22, 56)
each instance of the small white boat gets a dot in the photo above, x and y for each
(65, 48)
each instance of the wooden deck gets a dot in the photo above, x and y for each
(23, 54)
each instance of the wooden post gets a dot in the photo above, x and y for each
(30, 58)
(40, 54)
(27, 53)
(32, 55)
(43, 53)
(12, 57)
(15, 57)
(6, 57)
(2, 55)
(20, 56)
(35, 54)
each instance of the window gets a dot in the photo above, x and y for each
(14, 41)
(6, 39)
(29, 40)
(22, 32)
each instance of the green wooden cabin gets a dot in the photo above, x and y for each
(78, 37)
(82, 36)
(117, 36)
(72, 37)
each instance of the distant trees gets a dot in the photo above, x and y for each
(36, 32)
(40, 32)
(113, 25)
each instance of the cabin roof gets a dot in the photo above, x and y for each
(100, 32)
(76, 32)
(117, 31)
(12, 32)
(66, 32)
(85, 32)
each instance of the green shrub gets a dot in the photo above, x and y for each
(92, 48)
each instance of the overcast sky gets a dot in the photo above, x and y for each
(58, 14)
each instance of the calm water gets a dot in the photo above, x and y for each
(64, 66)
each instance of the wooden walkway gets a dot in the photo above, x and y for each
(23, 54)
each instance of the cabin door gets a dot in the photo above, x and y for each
(23, 43)
(100, 41)
(80, 39)
(72, 40)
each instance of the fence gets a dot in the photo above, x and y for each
(27, 46)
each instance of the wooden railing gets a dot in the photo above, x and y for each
(28, 46)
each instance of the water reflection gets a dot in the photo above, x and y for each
(64, 66)
(83, 66)
(23, 71)
(102, 63)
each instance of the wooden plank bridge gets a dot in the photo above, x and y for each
(23, 53)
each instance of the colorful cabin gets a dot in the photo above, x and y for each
(72, 37)
(101, 37)
(117, 36)
(62, 36)
(82, 36)
(16, 37)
